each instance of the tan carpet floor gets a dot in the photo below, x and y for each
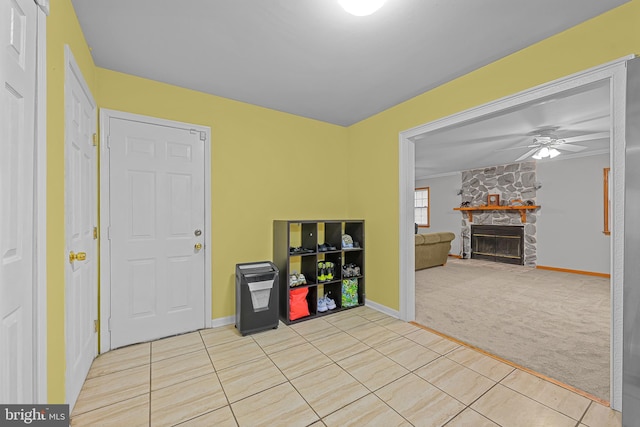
(557, 324)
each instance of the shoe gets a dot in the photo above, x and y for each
(322, 305)
(301, 279)
(294, 280)
(356, 270)
(347, 270)
(331, 304)
(322, 272)
(329, 270)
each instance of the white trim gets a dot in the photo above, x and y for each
(44, 6)
(40, 214)
(105, 219)
(222, 321)
(613, 71)
(104, 243)
(407, 263)
(382, 308)
(617, 155)
(208, 207)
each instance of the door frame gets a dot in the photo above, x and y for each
(105, 219)
(615, 73)
(40, 208)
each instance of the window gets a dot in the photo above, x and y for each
(421, 206)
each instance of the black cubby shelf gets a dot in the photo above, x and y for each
(312, 234)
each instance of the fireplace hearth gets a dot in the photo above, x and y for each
(499, 243)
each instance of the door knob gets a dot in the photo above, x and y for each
(80, 256)
(198, 246)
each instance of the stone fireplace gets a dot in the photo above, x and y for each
(515, 184)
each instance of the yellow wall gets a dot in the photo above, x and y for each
(374, 180)
(265, 165)
(269, 165)
(62, 28)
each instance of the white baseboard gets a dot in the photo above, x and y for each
(222, 321)
(382, 308)
(230, 320)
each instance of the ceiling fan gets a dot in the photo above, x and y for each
(546, 143)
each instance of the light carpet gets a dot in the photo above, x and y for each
(557, 324)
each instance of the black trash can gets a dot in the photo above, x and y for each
(256, 297)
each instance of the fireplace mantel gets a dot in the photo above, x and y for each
(522, 210)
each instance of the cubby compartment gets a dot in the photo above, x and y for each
(334, 291)
(328, 267)
(305, 264)
(333, 234)
(306, 247)
(353, 265)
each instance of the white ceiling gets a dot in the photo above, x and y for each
(503, 137)
(309, 57)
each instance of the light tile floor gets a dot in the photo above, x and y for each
(358, 367)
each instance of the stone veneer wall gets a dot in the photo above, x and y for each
(511, 182)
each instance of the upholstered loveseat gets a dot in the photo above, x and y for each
(432, 249)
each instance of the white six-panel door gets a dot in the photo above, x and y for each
(157, 234)
(81, 256)
(17, 106)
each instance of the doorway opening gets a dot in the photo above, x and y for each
(614, 76)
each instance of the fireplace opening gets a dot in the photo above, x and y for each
(499, 243)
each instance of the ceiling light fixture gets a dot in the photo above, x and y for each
(361, 7)
(545, 152)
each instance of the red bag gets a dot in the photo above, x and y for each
(298, 306)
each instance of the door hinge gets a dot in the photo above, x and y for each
(95, 139)
(203, 134)
(95, 233)
(95, 325)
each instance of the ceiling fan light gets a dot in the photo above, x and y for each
(537, 155)
(544, 152)
(553, 153)
(361, 7)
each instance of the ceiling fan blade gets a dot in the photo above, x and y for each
(516, 148)
(527, 154)
(598, 135)
(569, 147)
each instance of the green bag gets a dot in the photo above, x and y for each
(349, 292)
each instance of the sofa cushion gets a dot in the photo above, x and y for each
(446, 236)
(431, 238)
(419, 239)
